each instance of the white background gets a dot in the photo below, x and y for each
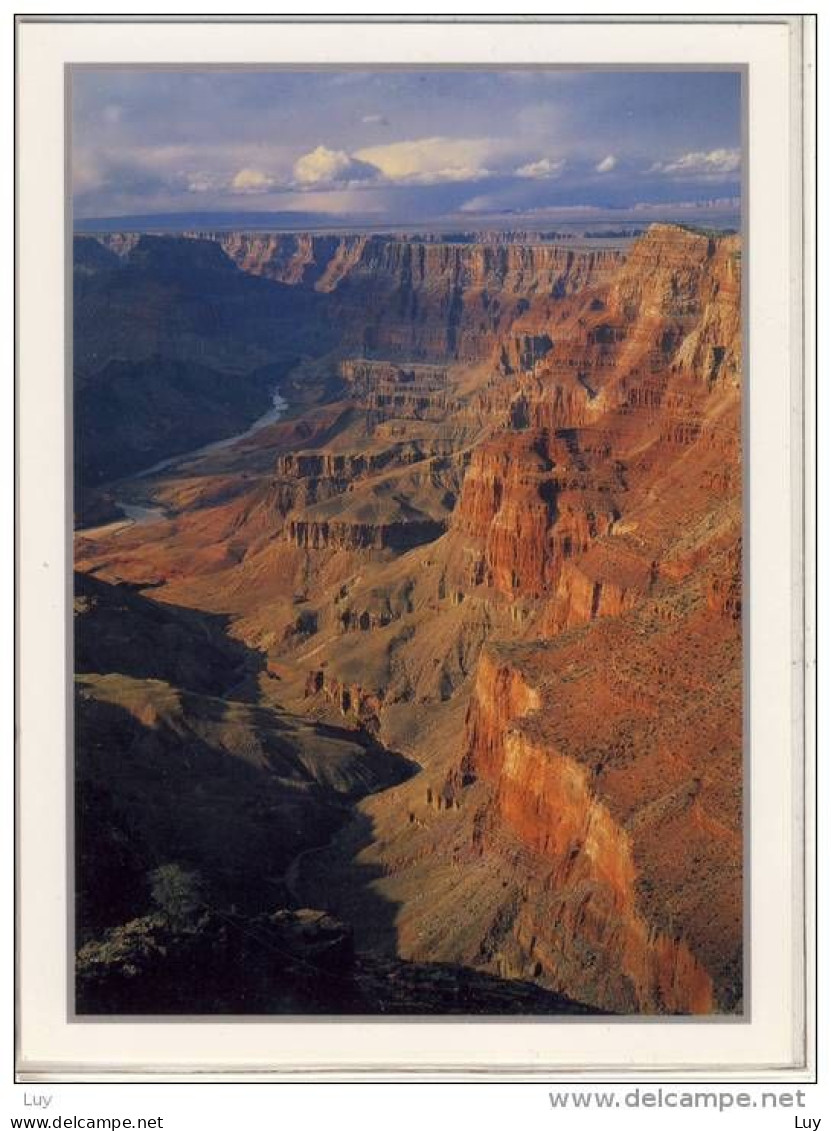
(409, 1105)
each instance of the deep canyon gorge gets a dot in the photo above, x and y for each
(425, 696)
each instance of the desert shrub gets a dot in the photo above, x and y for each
(179, 894)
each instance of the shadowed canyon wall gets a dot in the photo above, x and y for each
(398, 297)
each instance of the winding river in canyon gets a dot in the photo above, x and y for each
(140, 514)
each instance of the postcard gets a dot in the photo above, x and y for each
(412, 549)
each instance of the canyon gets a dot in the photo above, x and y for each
(438, 673)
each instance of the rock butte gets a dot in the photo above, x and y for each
(504, 542)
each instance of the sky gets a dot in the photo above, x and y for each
(400, 146)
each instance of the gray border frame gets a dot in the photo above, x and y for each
(742, 69)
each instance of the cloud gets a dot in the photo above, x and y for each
(87, 175)
(700, 163)
(543, 170)
(452, 174)
(332, 167)
(145, 139)
(250, 181)
(360, 200)
(204, 182)
(482, 204)
(606, 165)
(430, 160)
(501, 204)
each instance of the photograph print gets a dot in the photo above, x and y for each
(407, 493)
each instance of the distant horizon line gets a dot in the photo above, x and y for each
(707, 216)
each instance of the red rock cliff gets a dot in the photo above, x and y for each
(584, 928)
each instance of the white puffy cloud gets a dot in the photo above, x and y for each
(332, 166)
(543, 170)
(251, 181)
(430, 160)
(606, 165)
(701, 163)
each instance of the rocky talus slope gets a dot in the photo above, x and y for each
(505, 543)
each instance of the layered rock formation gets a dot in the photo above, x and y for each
(551, 804)
(508, 545)
(391, 296)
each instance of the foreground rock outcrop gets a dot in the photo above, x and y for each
(289, 962)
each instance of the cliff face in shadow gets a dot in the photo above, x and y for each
(395, 296)
(173, 348)
(176, 763)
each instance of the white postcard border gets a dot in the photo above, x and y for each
(776, 1040)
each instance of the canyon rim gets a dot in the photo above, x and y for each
(408, 543)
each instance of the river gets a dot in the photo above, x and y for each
(140, 513)
(278, 406)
